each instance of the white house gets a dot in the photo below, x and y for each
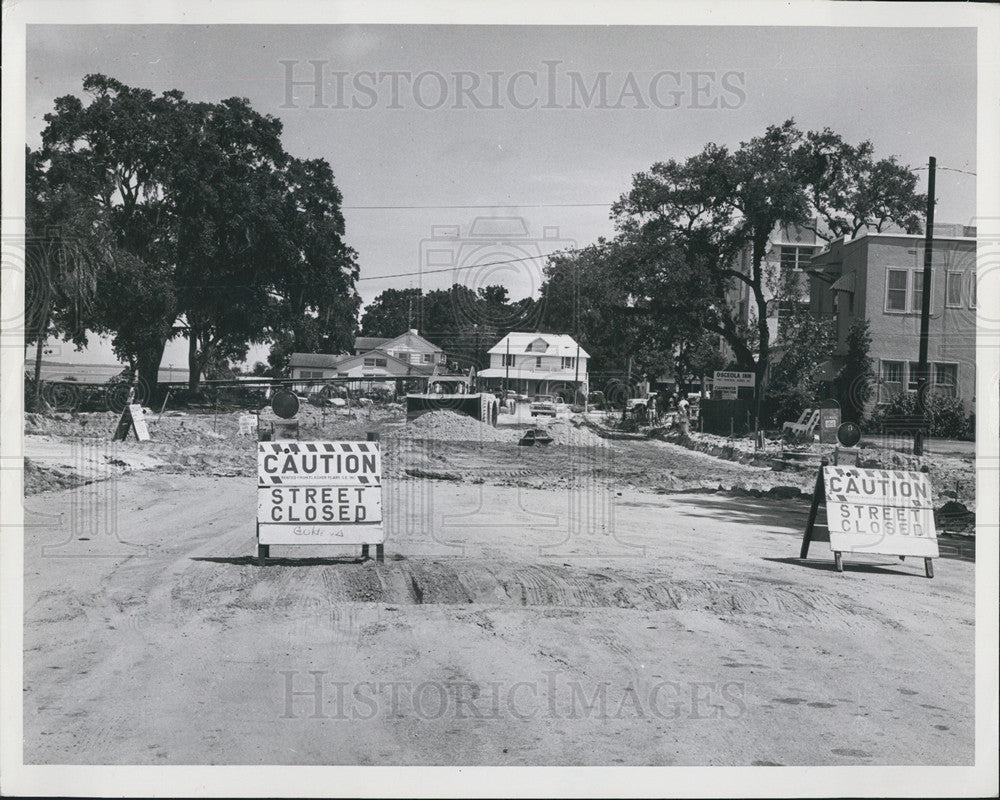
(538, 363)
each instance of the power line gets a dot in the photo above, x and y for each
(949, 169)
(470, 266)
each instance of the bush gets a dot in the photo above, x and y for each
(948, 417)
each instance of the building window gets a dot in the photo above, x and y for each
(953, 290)
(792, 257)
(946, 379)
(375, 362)
(890, 380)
(895, 290)
(538, 362)
(508, 360)
(306, 373)
(973, 281)
(568, 362)
(903, 284)
(428, 358)
(913, 374)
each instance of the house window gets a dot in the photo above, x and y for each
(568, 362)
(508, 360)
(375, 362)
(895, 290)
(538, 362)
(428, 358)
(913, 376)
(953, 290)
(946, 379)
(306, 373)
(973, 281)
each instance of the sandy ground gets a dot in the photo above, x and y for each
(548, 607)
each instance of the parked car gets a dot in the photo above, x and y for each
(596, 400)
(546, 405)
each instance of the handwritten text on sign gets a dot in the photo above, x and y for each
(319, 493)
(880, 511)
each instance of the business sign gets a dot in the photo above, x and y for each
(319, 493)
(883, 512)
(732, 380)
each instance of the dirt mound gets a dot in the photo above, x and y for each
(566, 433)
(449, 426)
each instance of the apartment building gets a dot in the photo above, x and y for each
(879, 277)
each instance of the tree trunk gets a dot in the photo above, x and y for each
(39, 349)
(194, 374)
(148, 369)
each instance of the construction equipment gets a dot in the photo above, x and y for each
(454, 393)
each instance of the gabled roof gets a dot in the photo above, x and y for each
(369, 342)
(317, 360)
(410, 340)
(559, 344)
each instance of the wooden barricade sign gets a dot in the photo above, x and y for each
(881, 512)
(132, 419)
(319, 493)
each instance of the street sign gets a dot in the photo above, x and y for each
(319, 493)
(878, 512)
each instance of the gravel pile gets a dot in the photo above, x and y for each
(565, 433)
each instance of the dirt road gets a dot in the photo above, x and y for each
(509, 625)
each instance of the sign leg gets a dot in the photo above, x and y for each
(364, 552)
(263, 551)
(380, 553)
(929, 567)
(813, 511)
(838, 561)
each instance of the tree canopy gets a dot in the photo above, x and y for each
(217, 232)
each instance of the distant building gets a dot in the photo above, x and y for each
(786, 283)
(537, 363)
(410, 347)
(406, 356)
(879, 277)
(314, 366)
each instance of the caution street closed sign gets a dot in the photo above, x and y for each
(319, 493)
(880, 511)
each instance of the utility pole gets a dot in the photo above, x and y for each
(925, 314)
(506, 363)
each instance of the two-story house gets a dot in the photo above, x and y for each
(879, 277)
(538, 363)
(405, 357)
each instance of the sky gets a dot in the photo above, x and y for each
(455, 143)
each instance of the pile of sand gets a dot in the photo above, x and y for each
(565, 433)
(449, 426)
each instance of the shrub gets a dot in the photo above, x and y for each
(948, 417)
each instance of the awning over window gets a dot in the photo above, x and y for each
(845, 283)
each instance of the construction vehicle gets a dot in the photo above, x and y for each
(454, 393)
